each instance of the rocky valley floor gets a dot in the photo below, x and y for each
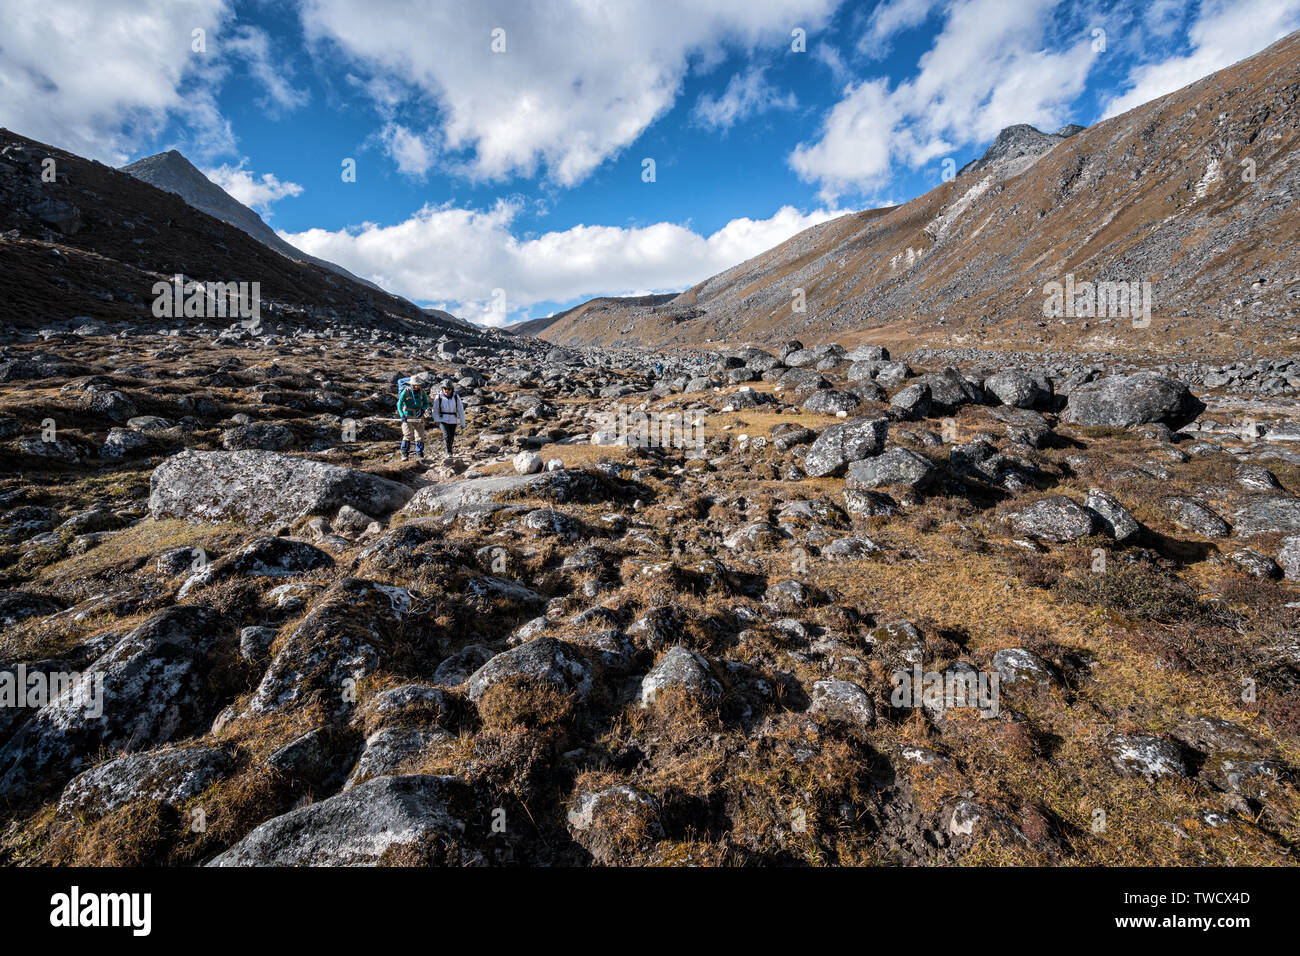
(285, 645)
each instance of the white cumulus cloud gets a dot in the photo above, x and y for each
(747, 94)
(99, 78)
(989, 68)
(576, 82)
(1224, 32)
(459, 257)
(257, 192)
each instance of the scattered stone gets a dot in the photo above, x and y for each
(679, 670)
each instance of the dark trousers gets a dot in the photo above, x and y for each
(448, 435)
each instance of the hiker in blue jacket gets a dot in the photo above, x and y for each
(412, 403)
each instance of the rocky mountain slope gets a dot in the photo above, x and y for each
(172, 172)
(1194, 192)
(82, 242)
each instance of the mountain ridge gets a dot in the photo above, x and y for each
(1141, 196)
(173, 172)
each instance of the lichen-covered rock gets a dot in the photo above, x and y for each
(1256, 564)
(1015, 665)
(167, 776)
(949, 390)
(841, 444)
(1288, 558)
(258, 435)
(613, 823)
(121, 442)
(264, 488)
(457, 668)
(554, 486)
(897, 467)
(758, 536)
(1115, 519)
(683, 671)
(869, 504)
(1147, 756)
(913, 401)
(850, 549)
(269, 557)
(1192, 515)
(388, 748)
(844, 701)
(1056, 518)
(544, 660)
(830, 401)
(1125, 401)
(1269, 514)
(340, 641)
(151, 687)
(357, 827)
(1019, 388)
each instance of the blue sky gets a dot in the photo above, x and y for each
(521, 169)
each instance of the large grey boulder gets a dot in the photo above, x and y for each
(264, 488)
(356, 827)
(913, 401)
(544, 659)
(869, 353)
(839, 445)
(682, 670)
(949, 390)
(1123, 401)
(149, 688)
(899, 467)
(167, 776)
(803, 380)
(1056, 518)
(1019, 388)
(1115, 518)
(1276, 514)
(831, 401)
(556, 486)
(801, 358)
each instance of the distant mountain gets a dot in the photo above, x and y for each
(1194, 192)
(442, 316)
(95, 241)
(176, 174)
(538, 326)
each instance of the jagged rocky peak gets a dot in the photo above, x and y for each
(1021, 140)
(172, 172)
